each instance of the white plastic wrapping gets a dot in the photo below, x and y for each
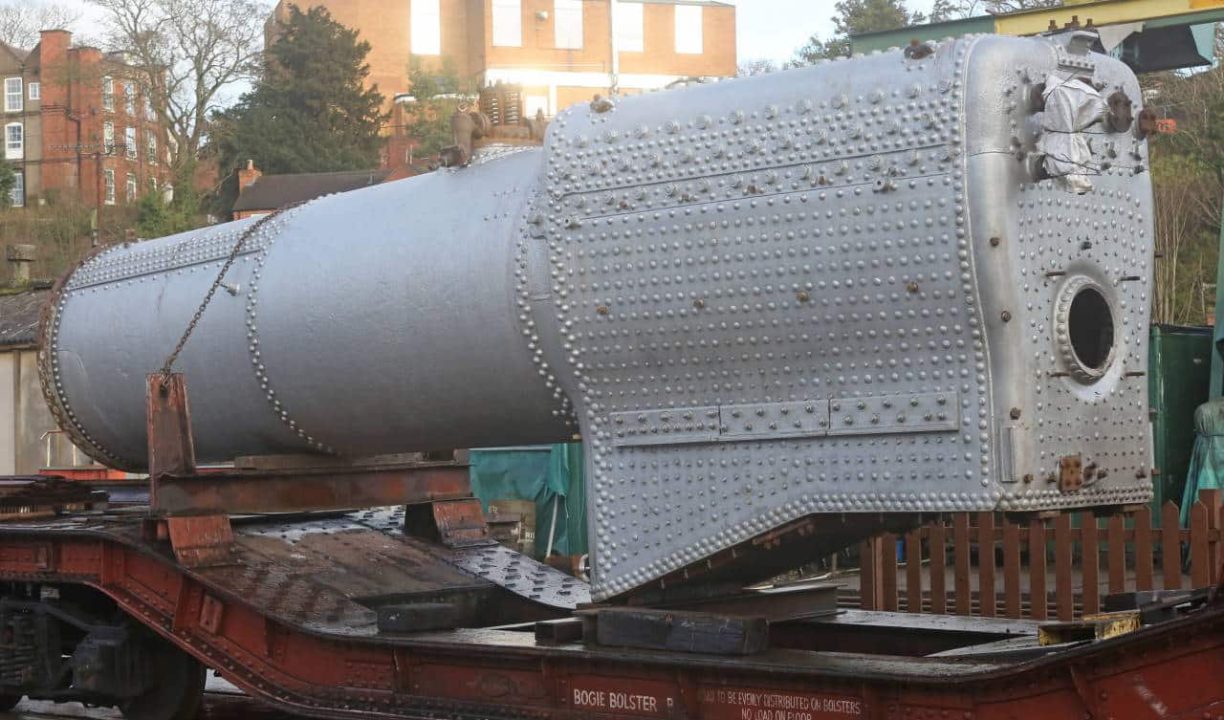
(1072, 106)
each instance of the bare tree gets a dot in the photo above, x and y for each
(756, 66)
(949, 9)
(190, 51)
(21, 21)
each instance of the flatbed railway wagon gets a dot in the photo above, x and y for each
(783, 314)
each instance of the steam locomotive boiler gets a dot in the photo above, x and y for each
(912, 282)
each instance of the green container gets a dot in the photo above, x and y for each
(1179, 378)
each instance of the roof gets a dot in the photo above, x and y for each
(270, 192)
(16, 52)
(19, 313)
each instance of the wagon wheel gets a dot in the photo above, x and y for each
(177, 689)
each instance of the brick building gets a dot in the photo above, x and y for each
(558, 51)
(79, 125)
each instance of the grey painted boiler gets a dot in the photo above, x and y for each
(887, 284)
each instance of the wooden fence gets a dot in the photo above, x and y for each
(998, 568)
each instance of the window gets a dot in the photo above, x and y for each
(533, 104)
(567, 24)
(14, 141)
(12, 94)
(148, 107)
(152, 184)
(129, 98)
(108, 187)
(151, 147)
(17, 194)
(630, 35)
(426, 28)
(688, 30)
(129, 142)
(108, 137)
(131, 187)
(108, 94)
(35, 90)
(507, 23)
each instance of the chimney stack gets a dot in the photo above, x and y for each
(19, 258)
(247, 174)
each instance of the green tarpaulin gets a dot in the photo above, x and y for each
(1207, 463)
(550, 476)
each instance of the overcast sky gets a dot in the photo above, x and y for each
(771, 29)
(774, 29)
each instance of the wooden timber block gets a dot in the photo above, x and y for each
(1100, 626)
(563, 630)
(417, 617)
(683, 631)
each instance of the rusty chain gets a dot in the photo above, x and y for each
(212, 290)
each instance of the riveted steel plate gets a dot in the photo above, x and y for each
(524, 576)
(887, 414)
(666, 427)
(802, 418)
(866, 231)
(513, 571)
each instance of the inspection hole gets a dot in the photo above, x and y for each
(1091, 327)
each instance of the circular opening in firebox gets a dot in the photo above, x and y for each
(1090, 327)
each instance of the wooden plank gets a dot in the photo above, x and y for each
(936, 546)
(1090, 559)
(1064, 583)
(888, 571)
(1116, 540)
(1200, 566)
(986, 564)
(869, 574)
(1170, 546)
(960, 564)
(677, 630)
(1037, 569)
(1143, 549)
(1219, 549)
(1011, 569)
(1214, 500)
(913, 570)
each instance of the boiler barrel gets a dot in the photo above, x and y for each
(377, 321)
(913, 282)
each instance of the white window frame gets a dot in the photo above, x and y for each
(108, 137)
(17, 194)
(131, 187)
(689, 30)
(152, 184)
(108, 93)
(34, 90)
(507, 23)
(129, 142)
(426, 19)
(151, 146)
(14, 149)
(14, 97)
(147, 104)
(630, 26)
(129, 98)
(567, 24)
(108, 186)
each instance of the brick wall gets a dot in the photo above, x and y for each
(65, 156)
(467, 40)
